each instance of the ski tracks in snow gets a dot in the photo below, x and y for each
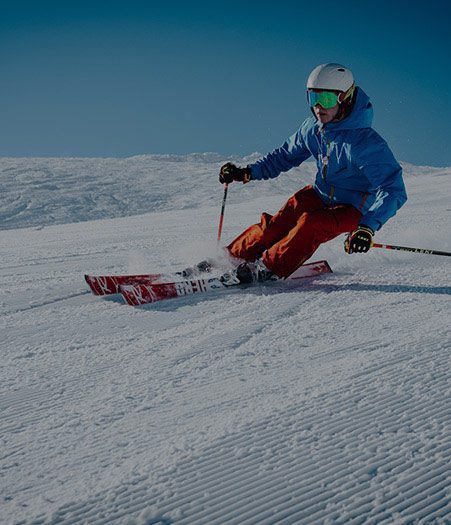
(373, 451)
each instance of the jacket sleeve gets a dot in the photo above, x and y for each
(291, 154)
(375, 160)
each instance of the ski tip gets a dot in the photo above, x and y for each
(311, 270)
(324, 265)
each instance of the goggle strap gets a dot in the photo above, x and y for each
(347, 94)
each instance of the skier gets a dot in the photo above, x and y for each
(358, 185)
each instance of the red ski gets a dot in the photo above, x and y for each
(109, 284)
(136, 294)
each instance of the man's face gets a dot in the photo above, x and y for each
(324, 103)
(325, 115)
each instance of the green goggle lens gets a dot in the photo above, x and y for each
(326, 99)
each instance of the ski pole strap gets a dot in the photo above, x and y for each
(221, 218)
(407, 249)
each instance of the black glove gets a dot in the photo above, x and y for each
(229, 172)
(360, 240)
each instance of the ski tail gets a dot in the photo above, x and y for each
(109, 284)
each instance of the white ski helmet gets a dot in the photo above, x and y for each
(331, 76)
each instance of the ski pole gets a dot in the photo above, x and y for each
(407, 249)
(221, 218)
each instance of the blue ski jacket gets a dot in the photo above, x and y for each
(355, 164)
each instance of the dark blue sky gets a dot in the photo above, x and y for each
(110, 78)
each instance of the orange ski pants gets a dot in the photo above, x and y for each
(290, 237)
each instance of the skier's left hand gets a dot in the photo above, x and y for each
(360, 240)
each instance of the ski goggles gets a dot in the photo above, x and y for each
(326, 99)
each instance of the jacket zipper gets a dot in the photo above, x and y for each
(325, 162)
(324, 158)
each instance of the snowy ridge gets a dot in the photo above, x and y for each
(40, 192)
(325, 404)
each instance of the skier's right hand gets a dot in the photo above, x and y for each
(229, 172)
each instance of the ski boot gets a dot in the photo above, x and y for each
(248, 273)
(202, 267)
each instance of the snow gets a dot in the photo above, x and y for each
(321, 404)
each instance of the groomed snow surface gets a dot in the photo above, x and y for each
(322, 404)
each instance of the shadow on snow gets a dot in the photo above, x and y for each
(277, 288)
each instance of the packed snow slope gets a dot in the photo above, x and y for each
(325, 403)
